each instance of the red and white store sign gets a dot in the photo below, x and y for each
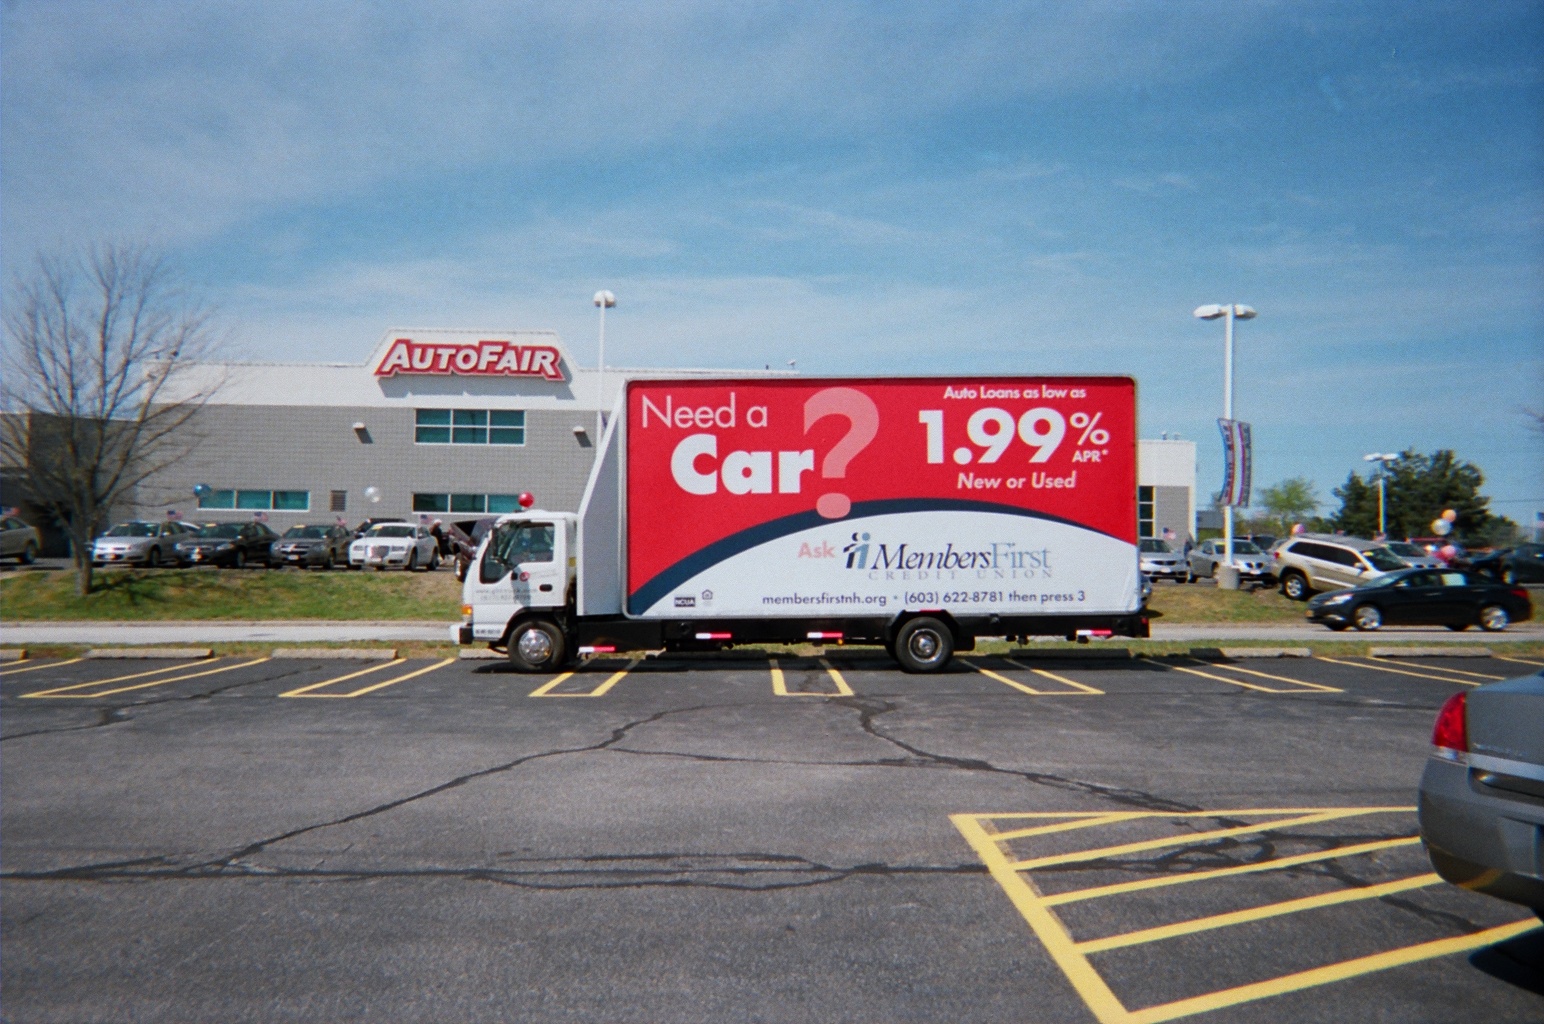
(487, 358)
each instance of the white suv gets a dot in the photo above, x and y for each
(1319, 561)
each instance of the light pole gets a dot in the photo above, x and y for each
(1230, 313)
(604, 300)
(1382, 460)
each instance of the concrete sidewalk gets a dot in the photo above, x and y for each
(297, 631)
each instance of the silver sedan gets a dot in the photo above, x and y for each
(1253, 565)
(139, 542)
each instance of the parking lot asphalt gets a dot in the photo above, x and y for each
(733, 837)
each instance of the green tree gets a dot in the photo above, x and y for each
(1419, 489)
(1292, 500)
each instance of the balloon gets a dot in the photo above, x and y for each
(202, 490)
(1450, 516)
(1448, 553)
(373, 493)
(1441, 527)
(1297, 528)
(527, 499)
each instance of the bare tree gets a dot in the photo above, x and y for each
(95, 390)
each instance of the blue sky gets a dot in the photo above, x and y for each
(864, 188)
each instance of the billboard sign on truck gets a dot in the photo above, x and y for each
(863, 497)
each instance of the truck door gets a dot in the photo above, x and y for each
(529, 558)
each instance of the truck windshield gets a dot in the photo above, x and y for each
(516, 544)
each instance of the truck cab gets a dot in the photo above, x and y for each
(523, 572)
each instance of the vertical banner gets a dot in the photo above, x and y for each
(1236, 462)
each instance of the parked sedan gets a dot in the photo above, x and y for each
(233, 544)
(402, 545)
(1413, 555)
(1253, 565)
(139, 541)
(1158, 561)
(18, 540)
(322, 544)
(1423, 597)
(1481, 806)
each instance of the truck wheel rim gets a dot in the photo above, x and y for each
(1493, 618)
(535, 645)
(924, 645)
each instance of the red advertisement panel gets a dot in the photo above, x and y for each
(713, 466)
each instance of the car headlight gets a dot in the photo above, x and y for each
(1336, 599)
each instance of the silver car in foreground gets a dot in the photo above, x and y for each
(1158, 561)
(1481, 802)
(139, 542)
(1253, 565)
(19, 541)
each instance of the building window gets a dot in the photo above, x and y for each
(1144, 512)
(469, 426)
(279, 501)
(474, 504)
(339, 502)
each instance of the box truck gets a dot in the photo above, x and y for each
(913, 513)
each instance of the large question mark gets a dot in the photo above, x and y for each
(863, 415)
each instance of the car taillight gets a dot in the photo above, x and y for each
(1452, 729)
(1520, 592)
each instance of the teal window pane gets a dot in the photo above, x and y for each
(471, 417)
(506, 418)
(432, 435)
(431, 503)
(470, 435)
(467, 502)
(498, 504)
(292, 501)
(254, 499)
(432, 417)
(506, 435)
(218, 499)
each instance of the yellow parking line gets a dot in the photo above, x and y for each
(1027, 899)
(1325, 975)
(60, 693)
(842, 689)
(1478, 675)
(1236, 682)
(374, 686)
(181, 667)
(1187, 838)
(305, 691)
(1267, 675)
(1080, 687)
(1088, 821)
(545, 689)
(1400, 671)
(46, 664)
(1099, 892)
(1520, 661)
(1203, 924)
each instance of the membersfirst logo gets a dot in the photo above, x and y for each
(483, 358)
(862, 553)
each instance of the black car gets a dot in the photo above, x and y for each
(1423, 597)
(1522, 564)
(321, 544)
(233, 544)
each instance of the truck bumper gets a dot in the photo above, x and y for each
(461, 633)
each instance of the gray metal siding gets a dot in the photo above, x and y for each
(315, 449)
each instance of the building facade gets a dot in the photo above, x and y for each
(1166, 488)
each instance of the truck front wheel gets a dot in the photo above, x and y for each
(537, 646)
(924, 645)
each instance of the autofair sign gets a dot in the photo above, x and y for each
(485, 358)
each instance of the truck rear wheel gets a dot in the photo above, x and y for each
(537, 646)
(924, 645)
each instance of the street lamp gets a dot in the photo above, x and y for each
(604, 300)
(1382, 460)
(1231, 313)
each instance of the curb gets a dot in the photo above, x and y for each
(1429, 652)
(1030, 653)
(13, 654)
(336, 653)
(183, 653)
(1235, 653)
